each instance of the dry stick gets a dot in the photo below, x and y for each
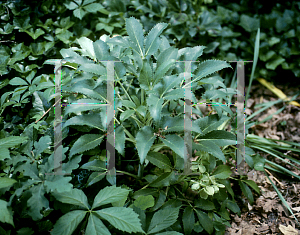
(274, 177)
(48, 110)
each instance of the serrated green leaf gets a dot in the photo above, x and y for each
(73, 197)
(165, 179)
(108, 195)
(167, 55)
(253, 185)
(6, 215)
(101, 49)
(204, 204)
(232, 205)
(94, 7)
(92, 120)
(79, 13)
(144, 140)
(205, 221)
(146, 76)
(128, 103)
(9, 142)
(85, 143)
(43, 143)
(94, 178)
(80, 108)
(37, 202)
(6, 182)
(246, 191)
(95, 226)
(220, 138)
(175, 143)
(144, 202)
(152, 40)
(124, 219)
(163, 219)
(136, 35)
(222, 172)
(120, 140)
(210, 147)
(56, 183)
(67, 224)
(126, 114)
(17, 81)
(162, 69)
(160, 160)
(155, 106)
(188, 220)
(209, 67)
(87, 44)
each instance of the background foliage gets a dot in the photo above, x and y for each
(32, 32)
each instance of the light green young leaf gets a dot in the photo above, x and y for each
(108, 195)
(144, 202)
(152, 40)
(163, 219)
(144, 140)
(136, 35)
(85, 143)
(124, 219)
(67, 224)
(73, 197)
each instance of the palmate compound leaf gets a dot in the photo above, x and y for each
(73, 197)
(109, 194)
(68, 223)
(163, 219)
(122, 218)
(85, 143)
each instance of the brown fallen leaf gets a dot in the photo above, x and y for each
(289, 230)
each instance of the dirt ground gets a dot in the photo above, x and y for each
(268, 215)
